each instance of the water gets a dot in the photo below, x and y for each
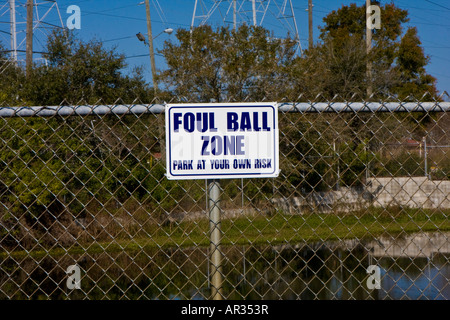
(326, 270)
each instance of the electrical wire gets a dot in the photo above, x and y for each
(437, 4)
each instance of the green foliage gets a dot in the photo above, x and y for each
(56, 164)
(53, 166)
(415, 81)
(355, 160)
(249, 63)
(79, 72)
(225, 64)
(76, 163)
(11, 77)
(405, 164)
(337, 65)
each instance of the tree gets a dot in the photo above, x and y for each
(330, 69)
(224, 64)
(411, 63)
(11, 76)
(53, 169)
(336, 66)
(83, 72)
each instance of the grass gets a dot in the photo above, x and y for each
(276, 229)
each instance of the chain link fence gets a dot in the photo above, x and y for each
(360, 209)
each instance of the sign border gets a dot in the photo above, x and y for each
(194, 176)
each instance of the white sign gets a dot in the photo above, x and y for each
(217, 141)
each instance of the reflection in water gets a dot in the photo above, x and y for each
(331, 270)
(421, 278)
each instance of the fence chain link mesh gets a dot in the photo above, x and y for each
(361, 184)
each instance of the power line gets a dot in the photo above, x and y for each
(441, 58)
(111, 9)
(134, 18)
(142, 55)
(117, 39)
(115, 16)
(437, 4)
(431, 24)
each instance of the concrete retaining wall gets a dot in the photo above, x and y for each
(342, 200)
(413, 192)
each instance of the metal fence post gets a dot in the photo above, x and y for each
(215, 239)
(425, 156)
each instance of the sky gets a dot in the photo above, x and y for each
(116, 22)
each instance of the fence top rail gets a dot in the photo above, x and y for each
(81, 110)
(302, 107)
(371, 107)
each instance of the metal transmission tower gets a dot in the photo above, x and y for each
(278, 14)
(13, 25)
